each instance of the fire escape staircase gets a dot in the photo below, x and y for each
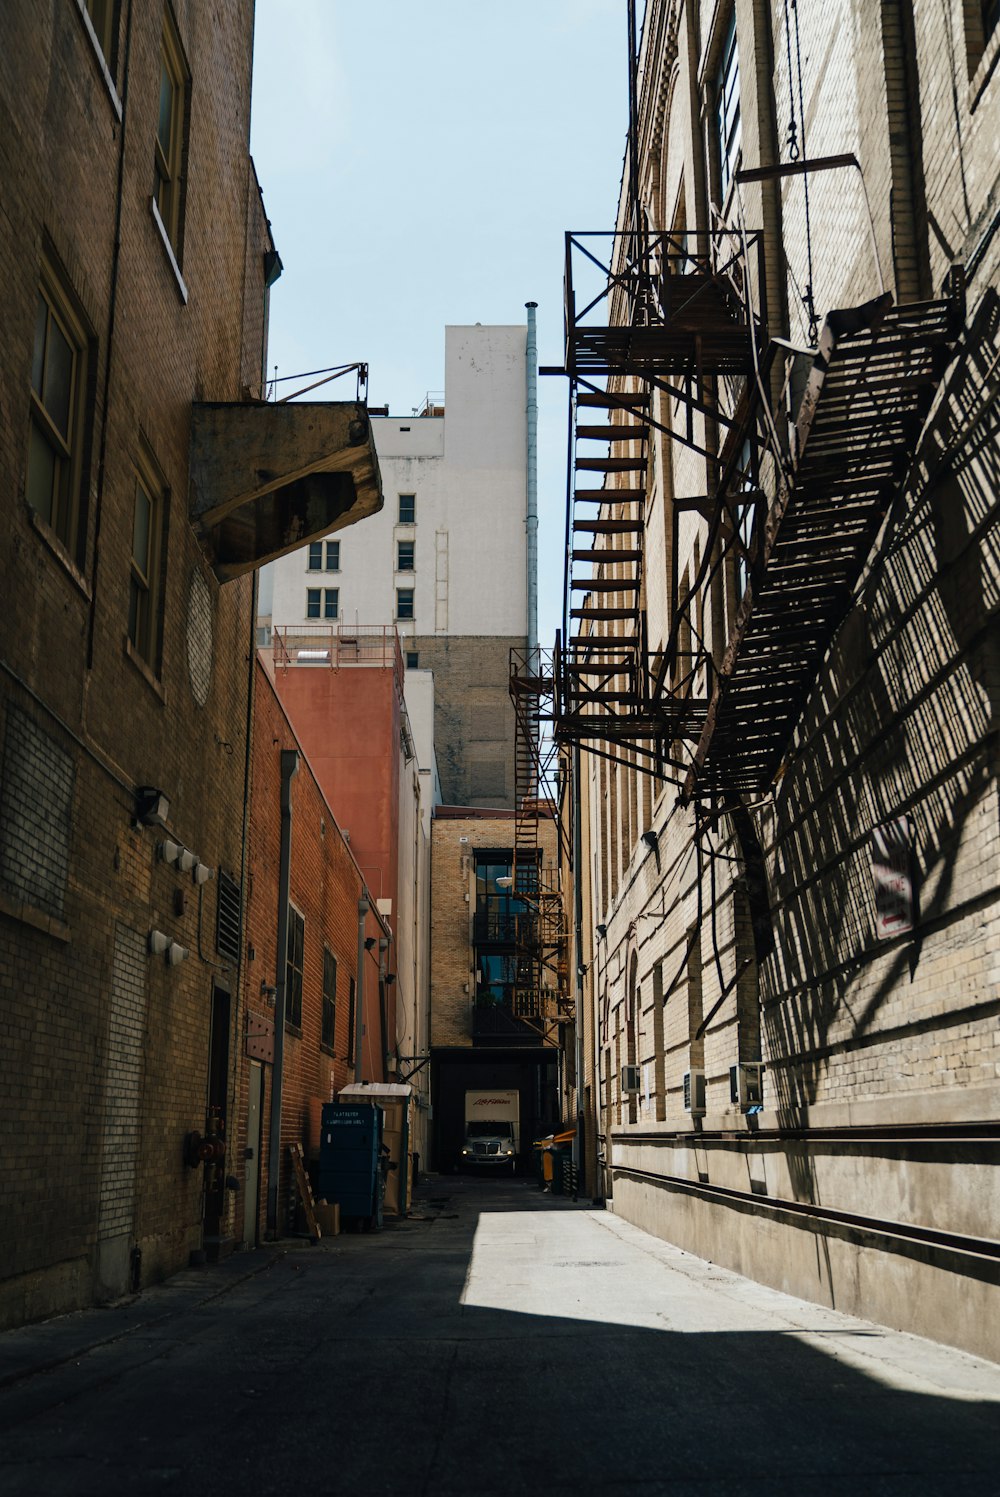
(685, 323)
(854, 439)
(540, 996)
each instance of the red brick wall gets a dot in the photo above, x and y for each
(325, 886)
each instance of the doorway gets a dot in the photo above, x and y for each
(251, 1198)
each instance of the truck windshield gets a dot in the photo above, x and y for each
(485, 1128)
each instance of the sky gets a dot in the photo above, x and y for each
(420, 165)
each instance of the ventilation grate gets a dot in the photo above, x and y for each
(227, 926)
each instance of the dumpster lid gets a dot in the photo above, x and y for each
(555, 1138)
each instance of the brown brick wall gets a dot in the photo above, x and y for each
(72, 1085)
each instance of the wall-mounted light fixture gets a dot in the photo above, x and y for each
(652, 841)
(602, 931)
(369, 943)
(186, 860)
(157, 943)
(169, 851)
(176, 954)
(152, 806)
(201, 873)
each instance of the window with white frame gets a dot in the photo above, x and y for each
(148, 512)
(55, 481)
(169, 143)
(322, 602)
(727, 110)
(324, 556)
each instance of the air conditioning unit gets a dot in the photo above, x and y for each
(630, 1080)
(746, 1084)
(694, 1091)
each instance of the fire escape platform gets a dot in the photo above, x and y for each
(267, 478)
(868, 395)
(696, 327)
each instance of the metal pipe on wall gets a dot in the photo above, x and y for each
(359, 994)
(531, 480)
(289, 769)
(579, 1142)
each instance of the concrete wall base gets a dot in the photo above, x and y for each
(940, 1292)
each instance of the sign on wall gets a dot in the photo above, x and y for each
(892, 874)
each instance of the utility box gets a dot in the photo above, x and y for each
(350, 1160)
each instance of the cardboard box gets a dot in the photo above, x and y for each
(329, 1218)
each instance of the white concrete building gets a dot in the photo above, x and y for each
(445, 559)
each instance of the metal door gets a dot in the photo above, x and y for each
(252, 1191)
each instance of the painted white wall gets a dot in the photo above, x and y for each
(466, 470)
(418, 691)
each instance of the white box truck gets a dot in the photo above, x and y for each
(492, 1129)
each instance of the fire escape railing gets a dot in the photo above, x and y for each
(795, 508)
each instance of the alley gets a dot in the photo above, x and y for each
(496, 1342)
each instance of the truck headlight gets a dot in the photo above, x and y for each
(465, 1151)
(510, 1151)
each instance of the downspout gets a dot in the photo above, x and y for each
(109, 348)
(359, 996)
(531, 479)
(383, 1001)
(579, 1151)
(289, 769)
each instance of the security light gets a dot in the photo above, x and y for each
(158, 943)
(152, 806)
(602, 931)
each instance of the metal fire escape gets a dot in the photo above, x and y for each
(805, 452)
(541, 995)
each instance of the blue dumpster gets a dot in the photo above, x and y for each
(350, 1160)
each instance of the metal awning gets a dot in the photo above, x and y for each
(268, 478)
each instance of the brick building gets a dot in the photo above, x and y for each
(455, 479)
(136, 503)
(320, 967)
(477, 1038)
(784, 645)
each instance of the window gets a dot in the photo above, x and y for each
(727, 110)
(412, 660)
(404, 602)
(351, 990)
(404, 556)
(407, 509)
(168, 147)
(328, 1025)
(55, 448)
(331, 602)
(144, 583)
(101, 13)
(324, 556)
(314, 602)
(293, 967)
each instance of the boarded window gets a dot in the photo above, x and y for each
(36, 800)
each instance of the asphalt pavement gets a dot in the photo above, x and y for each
(497, 1341)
